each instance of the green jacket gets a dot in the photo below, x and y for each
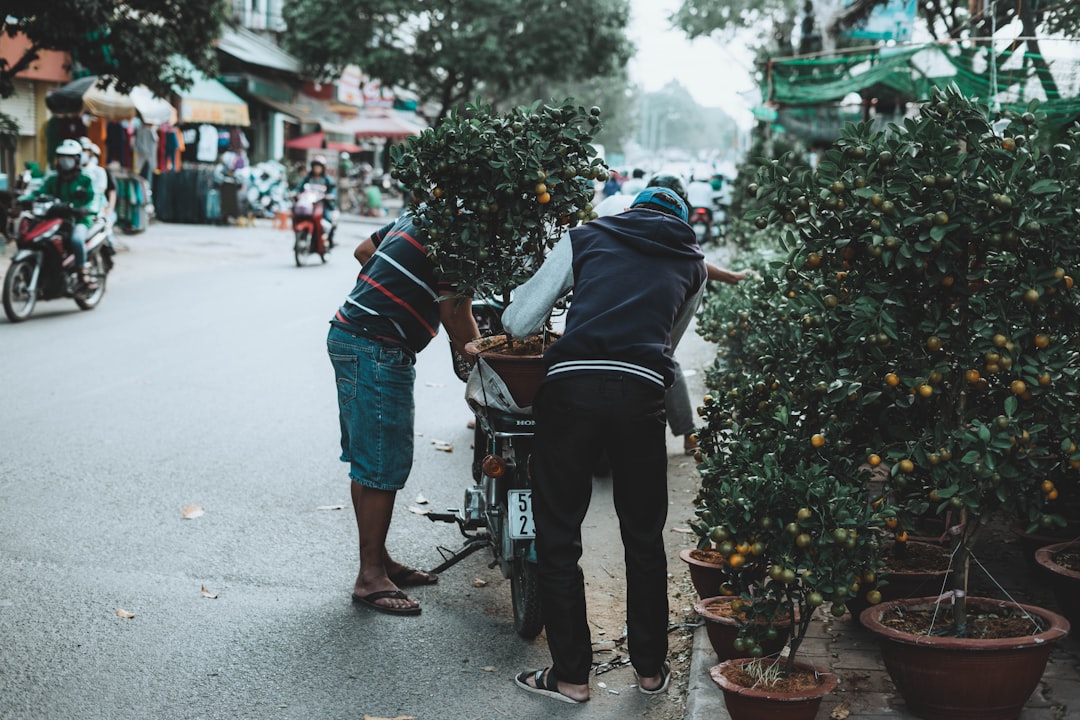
(78, 192)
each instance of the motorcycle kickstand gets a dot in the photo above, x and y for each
(453, 557)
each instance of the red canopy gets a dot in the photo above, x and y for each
(318, 141)
(314, 141)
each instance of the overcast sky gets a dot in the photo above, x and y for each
(715, 74)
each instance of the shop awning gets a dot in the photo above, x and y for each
(382, 126)
(303, 109)
(84, 95)
(252, 49)
(208, 101)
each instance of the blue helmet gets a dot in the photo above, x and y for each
(663, 198)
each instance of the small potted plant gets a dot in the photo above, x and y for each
(802, 539)
(494, 192)
(930, 277)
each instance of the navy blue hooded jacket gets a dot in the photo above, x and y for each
(636, 278)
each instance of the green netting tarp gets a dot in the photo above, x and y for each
(913, 71)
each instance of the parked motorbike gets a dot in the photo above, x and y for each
(43, 267)
(497, 513)
(312, 229)
(702, 222)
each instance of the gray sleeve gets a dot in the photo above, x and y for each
(533, 301)
(686, 314)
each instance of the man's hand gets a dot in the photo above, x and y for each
(455, 313)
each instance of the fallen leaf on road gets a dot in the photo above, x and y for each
(479, 583)
(684, 531)
(420, 499)
(330, 507)
(489, 668)
(442, 445)
(840, 712)
(207, 594)
(417, 510)
(601, 685)
(190, 512)
(124, 613)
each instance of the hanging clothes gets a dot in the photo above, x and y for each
(208, 144)
(146, 150)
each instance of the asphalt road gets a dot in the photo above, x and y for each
(202, 378)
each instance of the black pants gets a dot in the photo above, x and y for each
(577, 418)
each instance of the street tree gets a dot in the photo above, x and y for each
(452, 53)
(129, 42)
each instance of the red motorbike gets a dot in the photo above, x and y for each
(43, 267)
(310, 226)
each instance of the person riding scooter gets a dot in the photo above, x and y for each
(71, 185)
(317, 176)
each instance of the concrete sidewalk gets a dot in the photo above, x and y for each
(866, 692)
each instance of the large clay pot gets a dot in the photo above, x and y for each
(904, 583)
(950, 678)
(760, 703)
(522, 373)
(723, 629)
(705, 576)
(1031, 542)
(1064, 581)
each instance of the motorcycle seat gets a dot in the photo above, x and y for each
(505, 422)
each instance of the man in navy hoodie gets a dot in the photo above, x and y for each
(637, 279)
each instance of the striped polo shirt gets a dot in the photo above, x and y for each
(395, 298)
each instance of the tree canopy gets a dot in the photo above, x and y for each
(128, 41)
(451, 53)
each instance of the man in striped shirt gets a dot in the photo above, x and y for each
(637, 279)
(392, 313)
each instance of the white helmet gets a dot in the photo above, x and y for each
(69, 147)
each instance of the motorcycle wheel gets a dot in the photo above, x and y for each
(96, 270)
(300, 247)
(18, 300)
(525, 595)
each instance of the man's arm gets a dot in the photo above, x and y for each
(715, 272)
(534, 300)
(455, 313)
(364, 250)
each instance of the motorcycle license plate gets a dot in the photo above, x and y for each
(520, 514)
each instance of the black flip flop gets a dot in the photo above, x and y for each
(370, 601)
(411, 577)
(548, 687)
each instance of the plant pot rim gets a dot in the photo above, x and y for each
(473, 347)
(828, 683)
(685, 556)
(885, 572)
(1058, 627)
(701, 607)
(1045, 557)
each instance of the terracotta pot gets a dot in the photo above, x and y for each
(1065, 582)
(522, 374)
(706, 577)
(1030, 543)
(949, 678)
(903, 584)
(758, 703)
(723, 629)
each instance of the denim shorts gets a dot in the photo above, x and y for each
(375, 407)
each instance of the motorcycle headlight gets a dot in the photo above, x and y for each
(40, 208)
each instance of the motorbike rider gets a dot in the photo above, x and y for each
(71, 185)
(104, 185)
(317, 176)
(700, 194)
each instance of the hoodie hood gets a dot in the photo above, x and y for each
(652, 232)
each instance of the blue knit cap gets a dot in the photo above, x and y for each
(665, 198)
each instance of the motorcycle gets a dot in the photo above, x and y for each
(497, 512)
(702, 222)
(312, 229)
(43, 267)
